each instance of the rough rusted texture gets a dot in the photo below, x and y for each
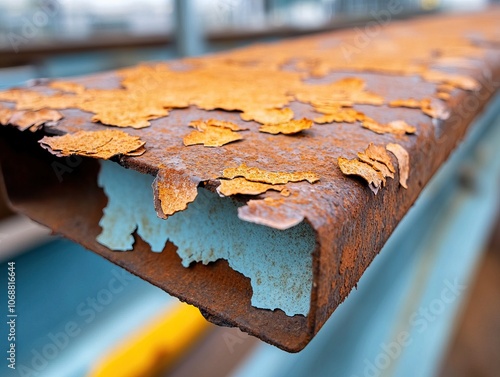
(28, 120)
(96, 144)
(351, 223)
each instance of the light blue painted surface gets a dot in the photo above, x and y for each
(434, 250)
(54, 283)
(278, 262)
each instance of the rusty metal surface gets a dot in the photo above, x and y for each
(351, 223)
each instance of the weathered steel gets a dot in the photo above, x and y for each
(351, 223)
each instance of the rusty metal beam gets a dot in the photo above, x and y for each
(351, 224)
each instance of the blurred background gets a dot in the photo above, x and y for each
(79, 314)
(46, 38)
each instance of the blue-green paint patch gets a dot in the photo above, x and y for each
(278, 262)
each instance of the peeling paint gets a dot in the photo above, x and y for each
(278, 262)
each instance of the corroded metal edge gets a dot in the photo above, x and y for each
(346, 246)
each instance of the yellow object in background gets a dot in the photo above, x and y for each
(156, 346)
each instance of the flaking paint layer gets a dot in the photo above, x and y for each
(278, 262)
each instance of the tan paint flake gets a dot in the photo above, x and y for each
(445, 96)
(378, 153)
(403, 162)
(268, 116)
(457, 81)
(269, 212)
(397, 127)
(376, 165)
(212, 136)
(5, 115)
(67, 86)
(436, 110)
(342, 115)
(31, 120)
(259, 175)
(445, 88)
(410, 103)
(173, 191)
(287, 128)
(347, 91)
(374, 178)
(96, 144)
(201, 125)
(245, 187)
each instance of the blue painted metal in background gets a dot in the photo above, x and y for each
(61, 287)
(400, 319)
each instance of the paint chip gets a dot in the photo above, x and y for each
(173, 191)
(268, 116)
(445, 96)
(397, 127)
(212, 136)
(5, 115)
(410, 103)
(96, 144)
(67, 86)
(269, 212)
(287, 128)
(347, 92)
(339, 115)
(244, 187)
(376, 165)
(435, 110)
(201, 125)
(28, 120)
(403, 161)
(258, 175)
(374, 178)
(455, 80)
(378, 153)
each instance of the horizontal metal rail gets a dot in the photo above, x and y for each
(342, 225)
